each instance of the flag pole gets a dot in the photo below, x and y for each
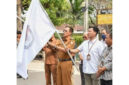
(20, 19)
(60, 38)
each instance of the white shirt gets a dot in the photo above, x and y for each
(81, 54)
(104, 43)
(91, 66)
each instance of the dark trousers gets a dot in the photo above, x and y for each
(82, 74)
(106, 82)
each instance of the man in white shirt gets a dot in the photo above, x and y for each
(91, 51)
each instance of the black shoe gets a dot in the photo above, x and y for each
(18, 76)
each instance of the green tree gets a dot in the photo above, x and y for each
(61, 11)
(75, 11)
(56, 9)
(25, 4)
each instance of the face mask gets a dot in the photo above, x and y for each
(103, 36)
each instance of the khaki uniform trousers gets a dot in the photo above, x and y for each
(50, 69)
(64, 73)
(90, 79)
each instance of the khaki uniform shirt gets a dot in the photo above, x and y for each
(50, 55)
(64, 55)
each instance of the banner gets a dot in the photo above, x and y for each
(104, 19)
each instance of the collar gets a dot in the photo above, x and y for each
(65, 39)
(102, 40)
(92, 41)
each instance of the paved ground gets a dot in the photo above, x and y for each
(37, 75)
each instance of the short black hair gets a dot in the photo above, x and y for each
(18, 32)
(95, 29)
(70, 28)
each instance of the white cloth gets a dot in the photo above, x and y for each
(91, 66)
(104, 43)
(37, 30)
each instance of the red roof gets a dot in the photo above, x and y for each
(77, 27)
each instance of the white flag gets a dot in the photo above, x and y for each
(37, 30)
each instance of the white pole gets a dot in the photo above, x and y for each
(86, 17)
(20, 18)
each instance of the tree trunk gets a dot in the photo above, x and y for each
(19, 11)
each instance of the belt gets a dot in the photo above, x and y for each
(61, 60)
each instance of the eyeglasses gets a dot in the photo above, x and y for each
(64, 30)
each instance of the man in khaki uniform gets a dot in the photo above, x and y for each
(64, 67)
(50, 62)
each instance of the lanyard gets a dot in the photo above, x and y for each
(89, 49)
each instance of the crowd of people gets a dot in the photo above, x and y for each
(95, 58)
(95, 55)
